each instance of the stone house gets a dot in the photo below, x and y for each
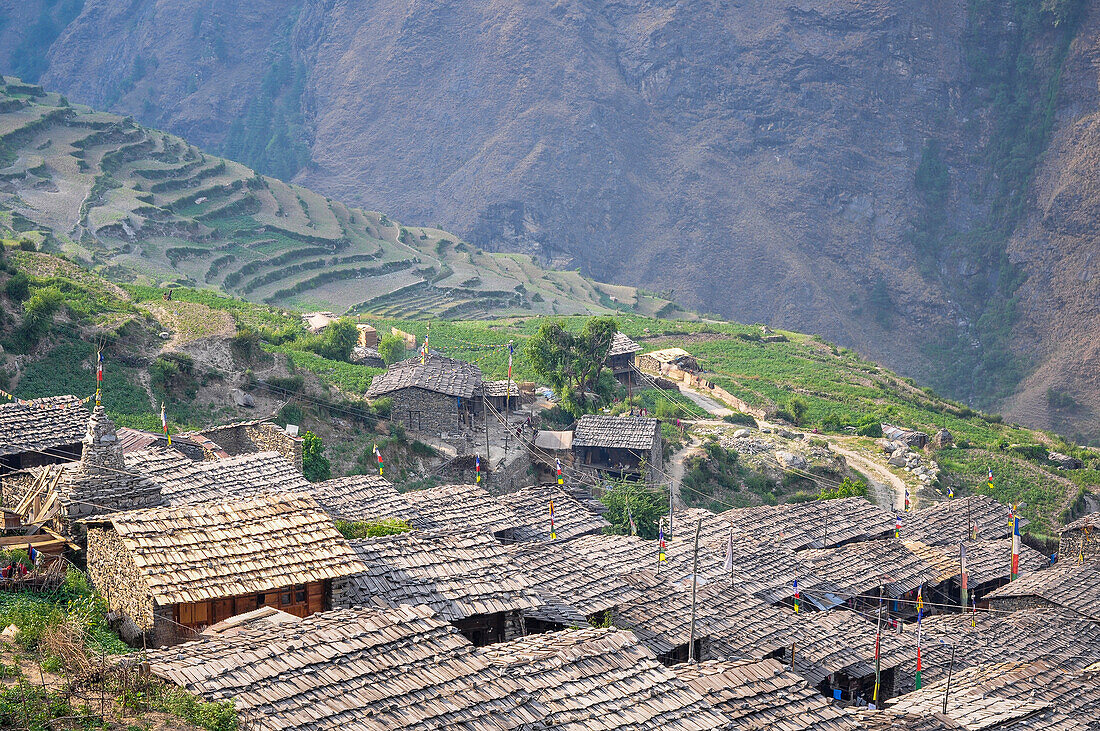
(466, 577)
(1066, 585)
(502, 395)
(183, 481)
(171, 571)
(571, 517)
(41, 432)
(437, 396)
(463, 507)
(368, 336)
(620, 357)
(622, 447)
(1080, 540)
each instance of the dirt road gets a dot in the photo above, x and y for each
(886, 489)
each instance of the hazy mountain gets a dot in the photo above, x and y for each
(875, 171)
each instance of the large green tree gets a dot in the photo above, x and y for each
(573, 363)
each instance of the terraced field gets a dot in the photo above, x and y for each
(146, 207)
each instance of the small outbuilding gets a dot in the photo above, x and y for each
(1080, 540)
(669, 361)
(620, 357)
(41, 432)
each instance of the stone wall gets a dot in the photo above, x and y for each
(419, 410)
(1013, 603)
(515, 625)
(252, 437)
(1074, 543)
(115, 575)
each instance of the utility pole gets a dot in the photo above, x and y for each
(670, 488)
(962, 575)
(878, 642)
(508, 402)
(485, 416)
(947, 690)
(694, 583)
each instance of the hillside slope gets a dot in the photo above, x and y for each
(148, 207)
(849, 167)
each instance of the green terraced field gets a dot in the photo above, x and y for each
(149, 208)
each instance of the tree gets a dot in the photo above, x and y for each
(337, 340)
(391, 348)
(797, 408)
(847, 488)
(572, 363)
(315, 467)
(628, 499)
(39, 310)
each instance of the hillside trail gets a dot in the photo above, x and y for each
(887, 489)
(706, 403)
(676, 468)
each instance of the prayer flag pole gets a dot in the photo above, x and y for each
(694, 583)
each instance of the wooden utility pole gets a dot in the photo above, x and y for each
(878, 644)
(694, 583)
(485, 415)
(947, 690)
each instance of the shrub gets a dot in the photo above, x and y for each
(870, 430)
(18, 287)
(352, 529)
(290, 414)
(315, 467)
(847, 488)
(739, 418)
(337, 340)
(383, 407)
(39, 310)
(391, 348)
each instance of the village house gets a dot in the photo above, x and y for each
(315, 322)
(816, 523)
(136, 440)
(434, 397)
(1080, 540)
(862, 572)
(362, 669)
(552, 447)
(619, 447)
(673, 362)
(41, 432)
(184, 481)
(466, 577)
(170, 571)
(532, 506)
(909, 437)
(1066, 585)
(988, 567)
(620, 358)
(502, 395)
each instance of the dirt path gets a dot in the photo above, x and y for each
(887, 489)
(676, 468)
(706, 403)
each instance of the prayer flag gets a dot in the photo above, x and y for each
(98, 376)
(950, 492)
(553, 533)
(962, 574)
(1015, 571)
(379, 456)
(920, 615)
(561, 480)
(511, 350)
(796, 597)
(907, 499)
(897, 526)
(630, 517)
(661, 545)
(477, 467)
(164, 423)
(728, 566)
(990, 477)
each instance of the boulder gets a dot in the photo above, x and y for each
(898, 460)
(740, 433)
(10, 632)
(1064, 461)
(792, 460)
(942, 439)
(243, 399)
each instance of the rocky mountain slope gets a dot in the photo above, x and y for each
(858, 168)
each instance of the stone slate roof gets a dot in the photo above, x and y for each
(946, 522)
(183, 481)
(577, 576)
(355, 670)
(759, 694)
(622, 345)
(618, 432)
(843, 641)
(192, 553)
(439, 374)
(458, 575)
(855, 568)
(602, 679)
(458, 507)
(500, 388)
(1039, 695)
(364, 498)
(1092, 520)
(1065, 584)
(991, 560)
(737, 623)
(814, 524)
(41, 424)
(1028, 635)
(571, 518)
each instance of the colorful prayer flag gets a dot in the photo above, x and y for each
(553, 533)
(990, 477)
(98, 376)
(630, 517)
(561, 480)
(1015, 571)
(963, 576)
(379, 456)
(796, 597)
(897, 526)
(164, 423)
(950, 492)
(907, 499)
(511, 350)
(661, 544)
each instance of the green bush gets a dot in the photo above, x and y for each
(18, 287)
(847, 488)
(391, 348)
(290, 414)
(315, 467)
(371, 528)
(739, 418)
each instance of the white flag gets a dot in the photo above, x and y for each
(728, 566)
